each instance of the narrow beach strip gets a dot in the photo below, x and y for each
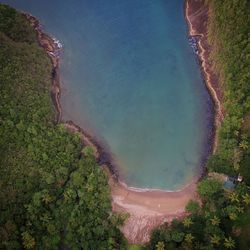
(196, 13)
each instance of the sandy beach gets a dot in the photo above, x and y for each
(147, 209)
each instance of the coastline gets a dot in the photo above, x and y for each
(52, 49)
(147, 208)
(196, 14)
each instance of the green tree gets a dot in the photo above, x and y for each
(177, 236)
(215, 220)
(215, 240)
(28, 241)
(192, 207)
(233, 196)
(160, 246)
(232, 212)
(246, 199)
(229, 243)
(208, 187)
(244, 145)
(187, 222)
(189, 238)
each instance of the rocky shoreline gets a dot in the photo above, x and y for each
(53, 49)
(147, 209)
(196, 13)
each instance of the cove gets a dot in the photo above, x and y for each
(130, 78)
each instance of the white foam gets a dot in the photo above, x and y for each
(58, 43)
(141, 190)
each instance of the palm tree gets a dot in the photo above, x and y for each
(46, 198)
(215, 239)
(233, 216)
(160, 246)
(189, 238)
(45, 218)
(240, 210)
(187, 222)
(28, 240)
(215, 221)
(67, 195)
(233, 197)
(243, 145)
(229, 243)
(246, 199)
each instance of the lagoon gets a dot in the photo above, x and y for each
(130, 78)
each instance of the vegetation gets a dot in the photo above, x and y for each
(222, 220)
(51, 194)
(135, 247)
(229, 33)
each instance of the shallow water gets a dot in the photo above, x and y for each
(130, 78)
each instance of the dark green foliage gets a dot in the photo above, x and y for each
(243, 222)
(245, 168)
(217, 164)
(166, 235)
(13, 25)
(50, 195)
(193, 207)
(208, 188)
(229, 28)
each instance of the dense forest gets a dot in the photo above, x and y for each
(52, 193)
(223, 219)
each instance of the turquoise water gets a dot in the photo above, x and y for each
(130, 78)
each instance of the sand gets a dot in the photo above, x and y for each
(148, 209)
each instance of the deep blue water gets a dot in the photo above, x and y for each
(130, 78)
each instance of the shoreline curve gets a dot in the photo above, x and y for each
(196, 14)
(147, 208)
